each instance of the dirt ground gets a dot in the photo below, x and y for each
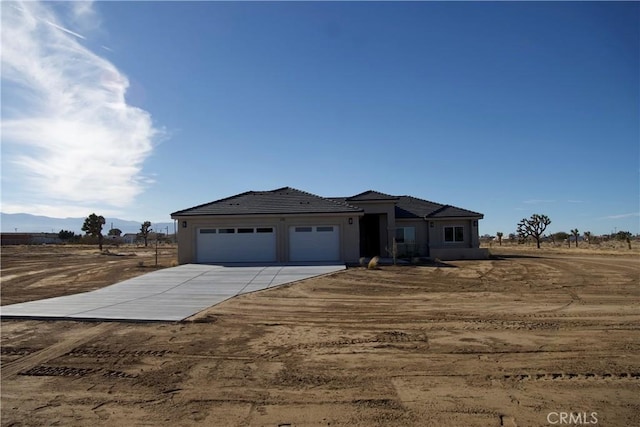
(513, 341)
(34, 272)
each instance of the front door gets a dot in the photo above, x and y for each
(370, 235)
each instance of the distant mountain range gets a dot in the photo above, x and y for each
(26, 223)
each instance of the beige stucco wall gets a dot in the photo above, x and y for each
(421, 233)
(470, 234)
(387, 222)
(430, 238)
(349, 233)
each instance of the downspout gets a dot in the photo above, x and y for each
(428, 254)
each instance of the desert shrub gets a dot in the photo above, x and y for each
(363, 262)
(373, 264)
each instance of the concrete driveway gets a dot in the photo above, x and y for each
(170, 294)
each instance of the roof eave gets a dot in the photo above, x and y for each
(270, 214)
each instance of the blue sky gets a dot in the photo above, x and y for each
(139, 109)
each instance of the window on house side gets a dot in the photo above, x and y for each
(454, 234)
(406, 235)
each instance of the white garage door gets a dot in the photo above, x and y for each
(240, 244)
(314, 243)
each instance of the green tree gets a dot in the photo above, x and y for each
(93, 227)
(65, 235)
(560, 236)
(587, 236)
(575, 233)
(625, 236)
(115, 232)
(533, 227)
(145, 229)
(500, 234)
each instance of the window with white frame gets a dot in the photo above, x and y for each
(454, 234)
(406, 235)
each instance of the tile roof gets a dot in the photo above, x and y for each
(289, 200)
(371, 195)
(412, 207)
(284, 200)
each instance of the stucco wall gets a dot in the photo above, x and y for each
(387, 211)
(421, 233)
(349, 233)
(470, 233)
(430, 237)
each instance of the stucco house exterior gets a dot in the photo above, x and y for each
(289, 225)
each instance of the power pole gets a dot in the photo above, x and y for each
(156, 248)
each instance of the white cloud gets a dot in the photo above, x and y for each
(620, 216)
(73, 140)
(537, 201)
(80, 36)
(57, 211)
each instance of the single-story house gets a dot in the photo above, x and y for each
(289, 225)
(131, 238)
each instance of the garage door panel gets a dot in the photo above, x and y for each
(314, 243)
(237, 244)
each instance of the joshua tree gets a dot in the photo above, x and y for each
(93, 226)
(145, 229)
(500, 234)
(587, 236)
(533, 227)
(624, 235)
(575, 233)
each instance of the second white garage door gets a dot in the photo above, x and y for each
(314, 243)
(243, 244)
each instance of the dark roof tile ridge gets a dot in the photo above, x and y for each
(285, 188)
(335, 202)
(211, 203)
(422, 200)
(343, 203)
(442, 207)
(373, 191)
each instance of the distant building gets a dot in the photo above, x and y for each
(29, 238)
(130, 238)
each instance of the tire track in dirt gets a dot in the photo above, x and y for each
(570, 376)
(59, 349)
(583, 277)
(71, 371)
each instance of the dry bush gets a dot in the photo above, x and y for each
(373, 264)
